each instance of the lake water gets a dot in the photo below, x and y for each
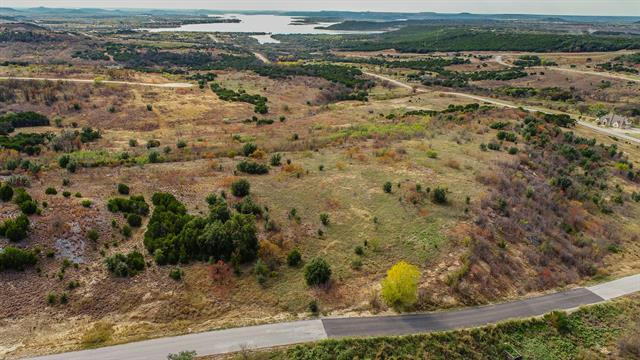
(268, 24)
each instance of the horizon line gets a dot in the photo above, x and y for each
(308, 11)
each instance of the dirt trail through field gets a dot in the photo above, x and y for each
(262, 58)
(501, 61)
(617, 133)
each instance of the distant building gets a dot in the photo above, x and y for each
(614, 120)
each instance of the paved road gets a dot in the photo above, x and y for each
(608, 131)
(207, 343)
(166, 85)
(410, 324)
(264, 336)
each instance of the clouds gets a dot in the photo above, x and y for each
(566, 7)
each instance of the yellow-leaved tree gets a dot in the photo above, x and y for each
(400, 287)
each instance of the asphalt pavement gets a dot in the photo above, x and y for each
(279, 334)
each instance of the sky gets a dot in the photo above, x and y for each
(558, 7)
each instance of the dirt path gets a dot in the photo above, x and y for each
(498, 59)
(262, 58)
(596, 73)
(166, 85)
(617, 133)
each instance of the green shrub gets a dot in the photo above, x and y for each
(126, 231)
(249, 148)
(63, 161)
(12, 258)
(508, 136)
(6, 192)
(15, 229)
(559, 320)
(154, 157)
(125, 265)
(317, 272)
(247, 206)
(261, 271)
(86, 203)
(359, 250)
(499, 125)
(324, 219)
(93, 235)
(72, 166)
(134, 220)
(240, 188)
(313, 307)
(123, 189)
(276, 160)
(66, 194)
(175, 274)
(181, 144)
(50, 191)
(251, 167)
(153, 143)
(134, 205)
(432, 154)
(513, 150)
(440, 195)
(52, 298)
(294, 258)
(133, 142)
(28, 207)
(387, 187)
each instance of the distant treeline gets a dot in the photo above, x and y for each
(426, 39)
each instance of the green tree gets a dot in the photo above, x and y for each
(317, 272)
(400, 287)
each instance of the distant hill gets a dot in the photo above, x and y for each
(343, 15)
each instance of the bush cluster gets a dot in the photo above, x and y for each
(12, 258)
(135, 204)
(25, 202)
(15, 229)
(11, 121)
(252, 167)
(174, 236)
(125, 265)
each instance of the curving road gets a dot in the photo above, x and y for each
(264, 336)
(502, 103)
(166, 85)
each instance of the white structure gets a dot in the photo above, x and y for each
(614, 120)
